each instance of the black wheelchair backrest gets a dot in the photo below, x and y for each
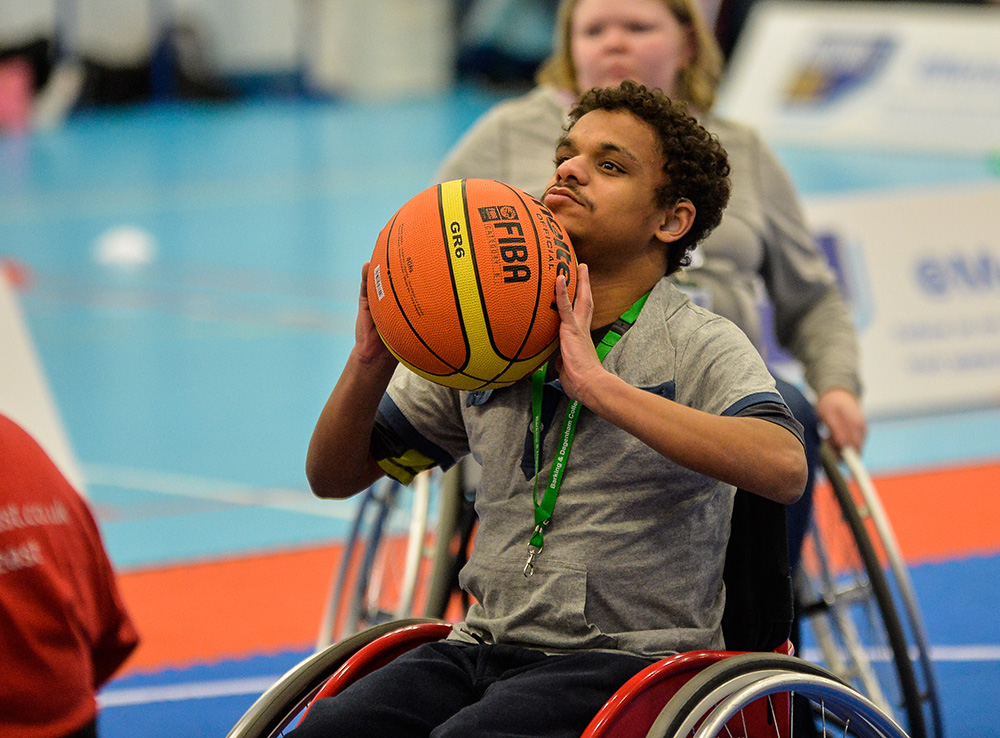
(758, 613)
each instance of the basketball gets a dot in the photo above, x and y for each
(462, 283)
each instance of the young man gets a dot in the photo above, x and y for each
(575, 598)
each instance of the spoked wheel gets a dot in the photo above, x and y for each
(865, 626)
(385, 566)
(765, 695)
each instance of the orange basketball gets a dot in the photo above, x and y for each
(462, 283)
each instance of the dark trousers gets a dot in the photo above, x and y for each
(449, 689)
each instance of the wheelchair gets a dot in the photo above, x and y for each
(757, 689)
(857, 608)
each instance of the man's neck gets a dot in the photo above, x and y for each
(612, 297)
(619, 277)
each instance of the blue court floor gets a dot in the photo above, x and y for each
(188, 375)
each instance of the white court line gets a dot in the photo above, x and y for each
(258, 685)
(234, 493)
(983, 652)
(188, 691)
(953, 654)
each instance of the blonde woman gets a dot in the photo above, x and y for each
(763, 240)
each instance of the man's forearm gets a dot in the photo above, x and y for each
(339, 461)
(749, 453)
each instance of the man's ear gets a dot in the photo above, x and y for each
(676, 221)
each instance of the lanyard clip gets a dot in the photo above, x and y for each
(529, 567)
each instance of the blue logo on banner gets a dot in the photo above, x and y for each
(837, 65)
(944, 276)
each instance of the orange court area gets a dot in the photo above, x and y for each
(269, 603)
(228, 609)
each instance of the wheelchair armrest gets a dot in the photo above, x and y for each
(381, 651)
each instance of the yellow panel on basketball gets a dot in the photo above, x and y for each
(462, 283)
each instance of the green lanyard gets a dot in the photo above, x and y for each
(544, 509)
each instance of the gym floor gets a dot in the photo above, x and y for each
(188, 275)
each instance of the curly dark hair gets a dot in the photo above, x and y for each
(696, 165)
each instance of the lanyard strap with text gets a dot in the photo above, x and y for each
(545, 507)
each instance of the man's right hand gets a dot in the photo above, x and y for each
(369, 349)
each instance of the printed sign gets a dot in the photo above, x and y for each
(873, 74)
(922, 273)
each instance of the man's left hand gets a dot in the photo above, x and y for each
(578, 363)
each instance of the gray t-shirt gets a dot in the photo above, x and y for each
(634, 554)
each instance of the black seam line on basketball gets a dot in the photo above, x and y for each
(446, 240)
(479, 283)
(486, 382)
(395, 296)
(538, 282)
(517, 358)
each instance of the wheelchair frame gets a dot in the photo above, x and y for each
(287, 698)
(360, 595)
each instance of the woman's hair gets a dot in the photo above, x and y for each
(696, 84)
(695, 164)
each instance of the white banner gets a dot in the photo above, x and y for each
(895, 75)
(922, 272)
